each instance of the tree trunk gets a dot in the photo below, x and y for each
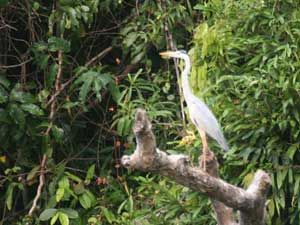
(225, 197)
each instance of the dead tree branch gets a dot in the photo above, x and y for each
(250, 202)
(224, 214)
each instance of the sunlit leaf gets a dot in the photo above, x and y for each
(59, 194)
(90, 174)
(63, 218)
(32, 109)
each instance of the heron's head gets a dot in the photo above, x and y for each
(181, 54)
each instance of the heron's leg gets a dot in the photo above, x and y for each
(205, 147)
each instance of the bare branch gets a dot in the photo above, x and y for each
(57, 90)
(99, 56)
(17, 65)
(40, 187)
(51, 118)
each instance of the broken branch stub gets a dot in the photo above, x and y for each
(250, 202)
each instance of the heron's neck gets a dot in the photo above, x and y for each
(185, 80)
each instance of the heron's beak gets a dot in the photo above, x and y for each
(168, 54)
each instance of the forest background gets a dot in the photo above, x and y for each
(73, 73)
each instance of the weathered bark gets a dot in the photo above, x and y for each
(250, 202)
(224, 214)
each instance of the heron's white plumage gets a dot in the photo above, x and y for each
(204, 119)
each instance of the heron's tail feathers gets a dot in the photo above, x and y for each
(222, 141)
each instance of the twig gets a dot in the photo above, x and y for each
(63, 86)
(57, 91)
(170, 45)
(99, 56)
(40, 187)
(16, 65)
(7, 25)
(137, 7)
(51, 118)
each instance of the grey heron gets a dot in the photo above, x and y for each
(200, 115)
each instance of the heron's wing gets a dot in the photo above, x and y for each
(204, 119)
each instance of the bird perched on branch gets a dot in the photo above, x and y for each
(200, 114)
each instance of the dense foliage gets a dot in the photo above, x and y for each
(72, 74)
(249, 55)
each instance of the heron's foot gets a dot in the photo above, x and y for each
(202, 158)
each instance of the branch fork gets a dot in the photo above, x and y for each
(225, 197)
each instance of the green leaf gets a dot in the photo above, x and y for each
(51, 202)
(3, 95)
(36, 6)
(3, 3)
(33, 172)
(66, 2)
(64, 182)
(70, 105)
(9, 195)
(4, 116)
(105, 78)
(271, 208)
(51, 75)
(56, 44)
(248, 179)
(72, 15)
(47, 214)
(73, 177)
(281, 175)
(85, 88)
(90, 174)
(58, 133)
(4, 82)
(120, 127)
(71, 213)
(108, 214)
(17, 114)
(124, 125)
(59, 194)
(85, 75)
(97, 88)
(63, 218)
(32, 109)
(114, 90)
(79, 188)
(292, 150)
(130, 38)
(85, 201)
(43, 61)
(138, 57)
(17, 95)
(40, 46)
(296, 185)
(46, 147)
(54, 218)
(91, 196)
(85, 8)
(92, 220)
